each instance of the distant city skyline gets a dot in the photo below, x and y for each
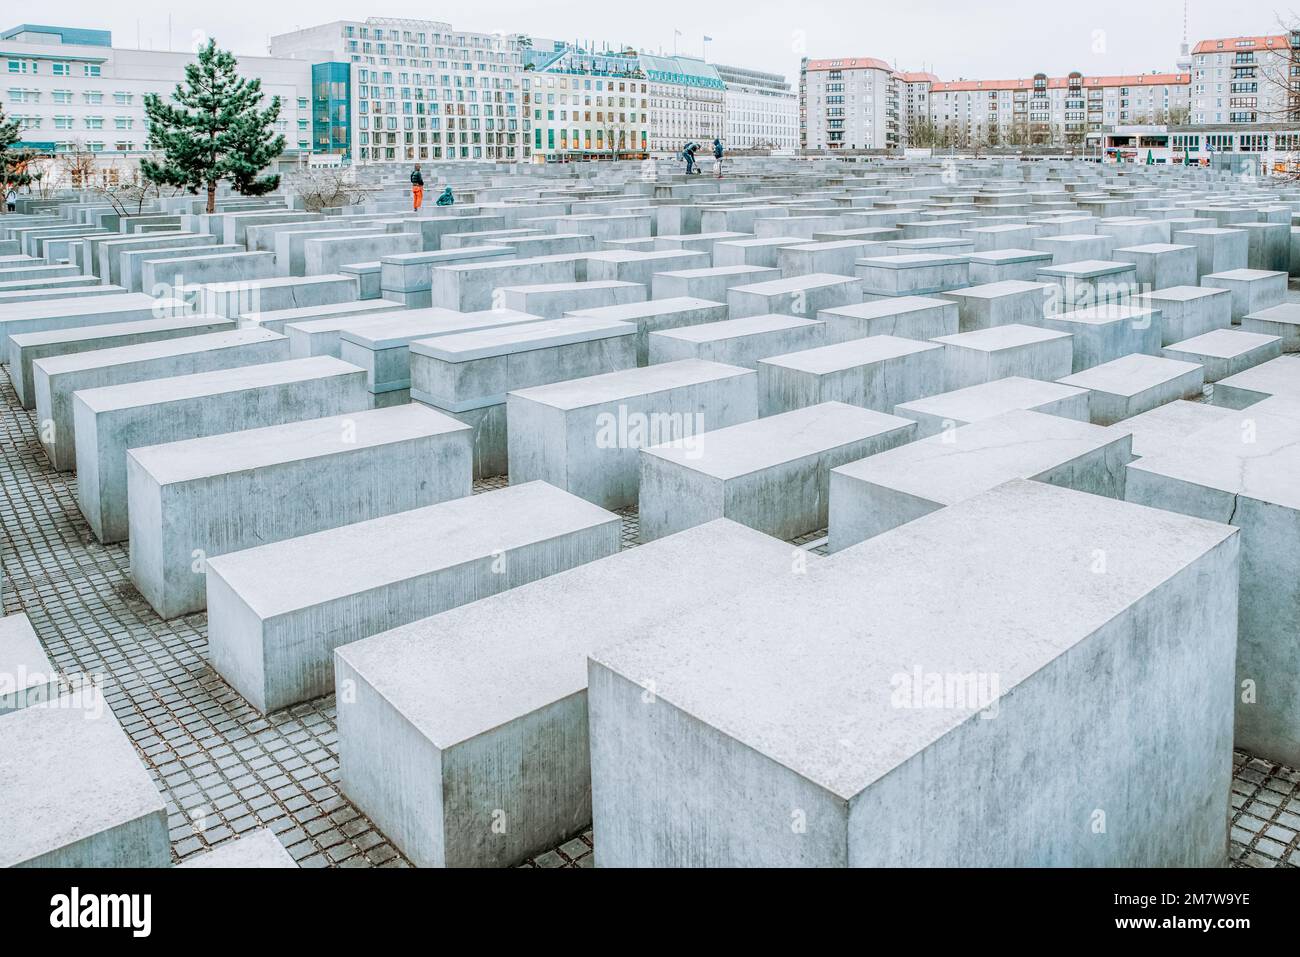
(1006, 39)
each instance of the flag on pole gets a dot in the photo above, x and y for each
(676, 32)
(708, 39)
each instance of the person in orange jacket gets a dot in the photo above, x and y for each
(417, 188)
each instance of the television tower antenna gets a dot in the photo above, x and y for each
(1186, 46)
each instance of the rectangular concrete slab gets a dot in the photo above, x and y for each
(995, 352)
(583, 435)
(770, 474)
(739, 342)
(875, 373)
(26, 348)
(75, 792)
(56, 379)
(908, 317)
(1242, 472)
(438, 738)
(1133, 384)
(277, 612)
(468, 374)
(112, 419)
(718, 739)
(889, 489)
(950, 410)
(192, 500)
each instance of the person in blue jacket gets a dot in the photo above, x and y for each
(717, 157)
(446, 199)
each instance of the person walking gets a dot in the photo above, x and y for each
(717, 157)
(446, 199)
(417, 188)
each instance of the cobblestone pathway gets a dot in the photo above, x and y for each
(224, 768)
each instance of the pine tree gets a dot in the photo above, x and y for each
(13, 163)
(216, 132)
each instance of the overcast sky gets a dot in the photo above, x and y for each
(990, 40)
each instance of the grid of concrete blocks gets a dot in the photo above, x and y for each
(965, 496)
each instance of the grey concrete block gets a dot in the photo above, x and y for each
(277, 612)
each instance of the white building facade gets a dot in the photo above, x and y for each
(391, 90)
(587, 104)
(80, 100)
(762, 112)
(687, 102)
(851, 103)
(1056, 111)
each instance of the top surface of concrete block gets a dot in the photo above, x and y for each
(23, 662)
(611, 386)
(260, 849)
(894, 306)
(1087, 269)
(952, 467)
(763, 443)
(1280, 376)
(251, 449)
(1169, 425)
(66, 775)
(1001, 337)
(511, 339)
(153, 349)
(809, 711)
(912, 261)
(1180, 294)
(389, 330)
(1107, 312)
(328, 311)
(989, 399)
(1129, 375)
(1222, 343)
(735, 328)
(381, 551)
(1000, 257)
(1215, 457)
(1244, 275)
(158, 391)
(992, 290)
(1153, 249)
(466, 671)
(631, 311)
(855, 352)
(772, 287)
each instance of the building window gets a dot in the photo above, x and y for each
(91, 69)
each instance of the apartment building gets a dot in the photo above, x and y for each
(914, 106)
(79, 99)
(1055, 111)
(587, 104)
(388, 89)
(851, 103)
(687, 102)
(761, 110)
(1242, 81)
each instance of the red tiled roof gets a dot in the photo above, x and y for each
(850, 63)
(1243, 44)
(1061, 82)
(917, 77)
